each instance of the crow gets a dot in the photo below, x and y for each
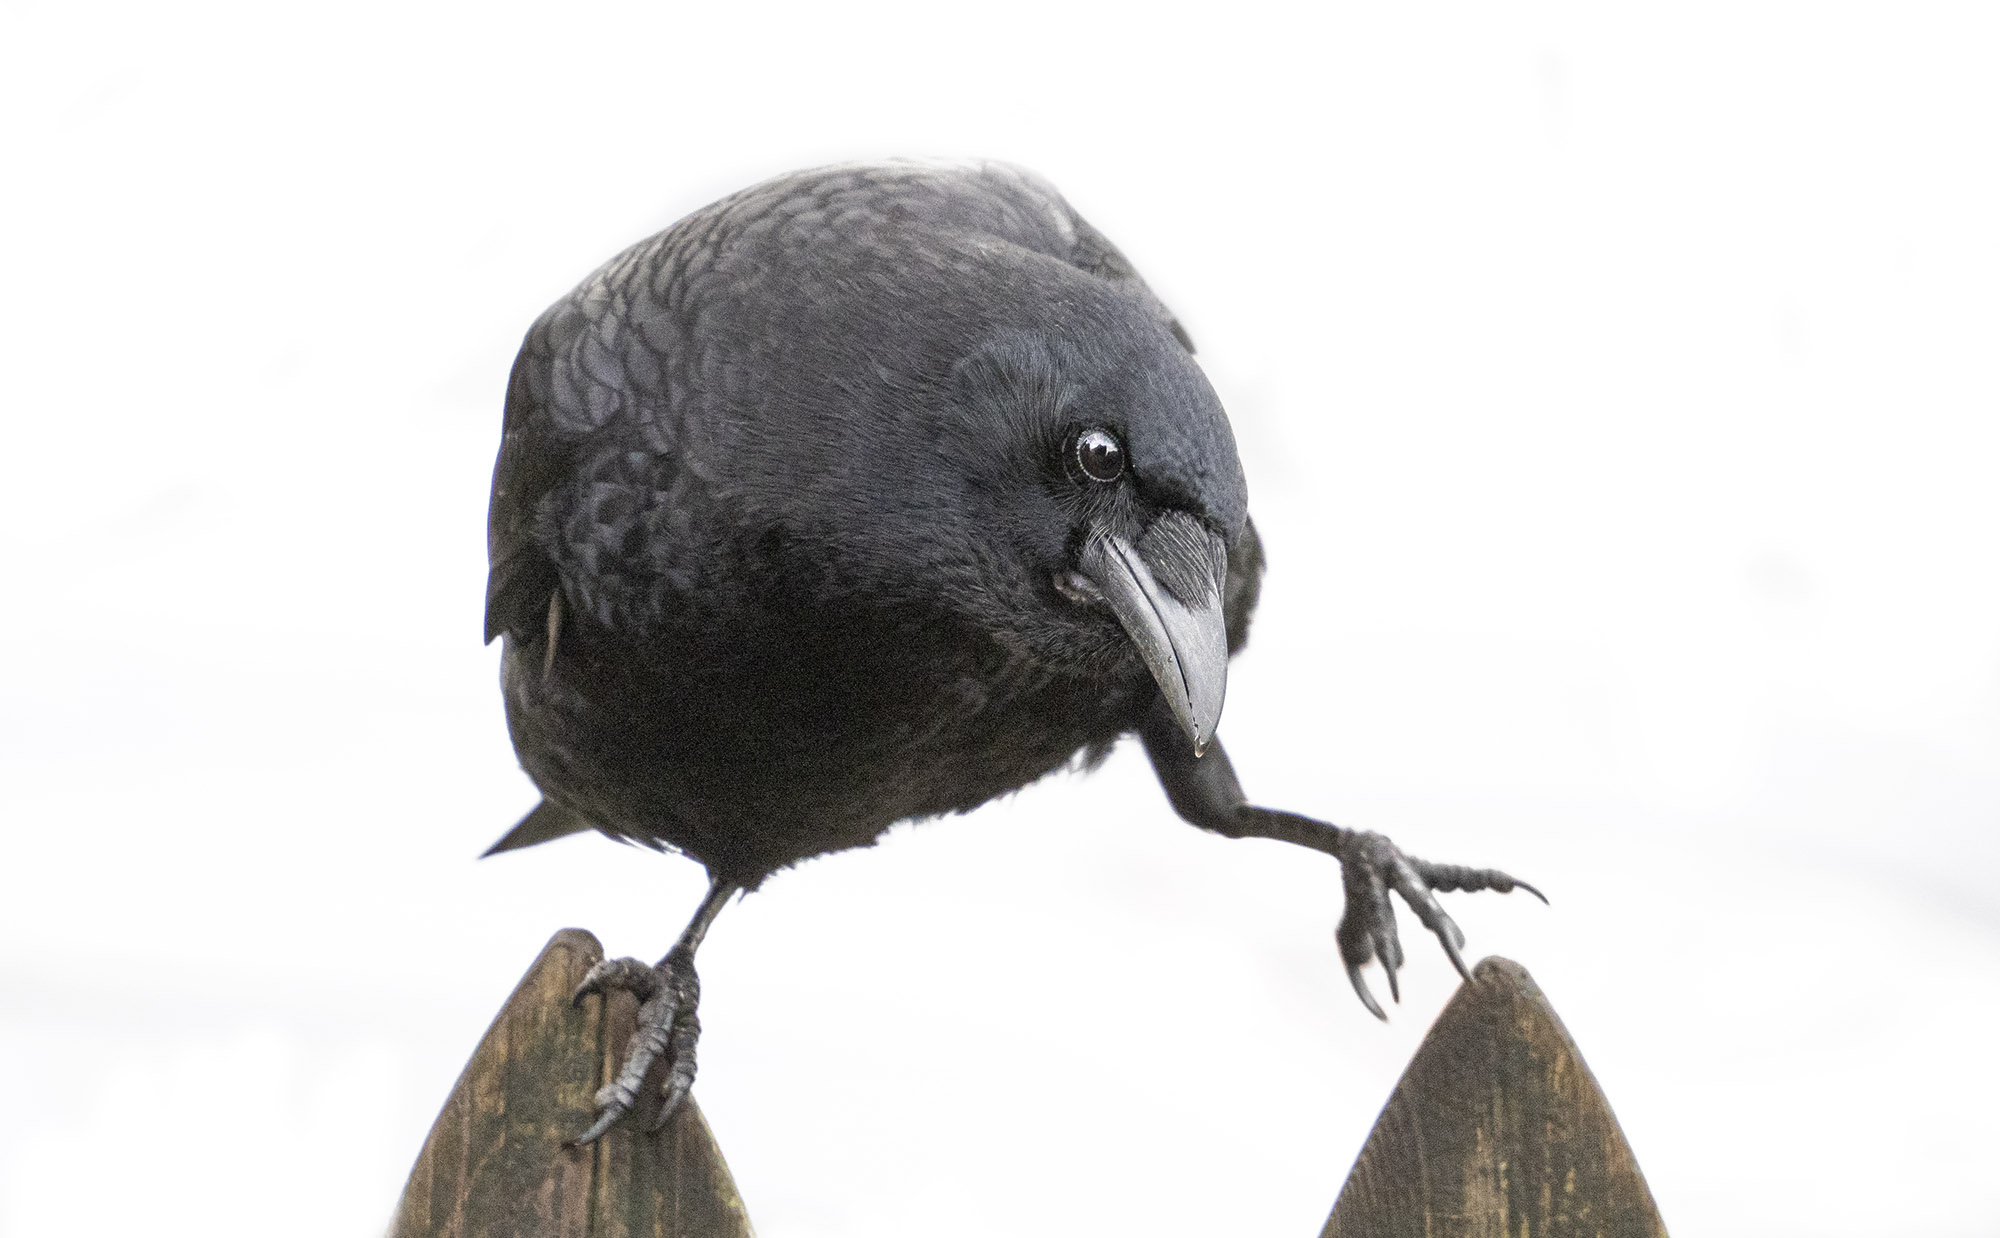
(862, 496)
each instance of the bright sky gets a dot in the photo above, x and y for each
(1619, 401)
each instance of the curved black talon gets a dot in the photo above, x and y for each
(680, 1057)
(1362, 934)
(1457, 959)
(677, 1086)
(1361, 991)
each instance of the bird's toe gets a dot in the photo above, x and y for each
(667, 1029)
(1372, 867)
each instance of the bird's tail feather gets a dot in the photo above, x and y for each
(548, 820)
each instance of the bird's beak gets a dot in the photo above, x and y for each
(1167, 592)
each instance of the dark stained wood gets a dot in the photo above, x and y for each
(494, 1165)
(1496, 1128)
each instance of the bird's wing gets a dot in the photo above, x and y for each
(533, 460)
(586, 442)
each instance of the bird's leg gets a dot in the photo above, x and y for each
(668, 993)
(1205, 792)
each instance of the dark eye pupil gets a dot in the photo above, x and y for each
(1099, 455)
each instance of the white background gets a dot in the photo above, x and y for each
(1618, 395)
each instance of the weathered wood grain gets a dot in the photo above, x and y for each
(1496, 1128)
(494, 1165)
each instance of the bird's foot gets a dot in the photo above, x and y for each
(668, 994)
(1370, 867)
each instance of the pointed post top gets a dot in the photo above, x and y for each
(495, 1165)
(1496, 1128)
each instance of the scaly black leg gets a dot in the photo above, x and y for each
(1205, 792)
(668, 994)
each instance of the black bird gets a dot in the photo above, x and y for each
(865, 495)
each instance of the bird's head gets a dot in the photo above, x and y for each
(1100, 463)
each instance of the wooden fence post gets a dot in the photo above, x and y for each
(494, 1165)
(1496, 1129)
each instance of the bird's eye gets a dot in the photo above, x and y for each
(1100, 455)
